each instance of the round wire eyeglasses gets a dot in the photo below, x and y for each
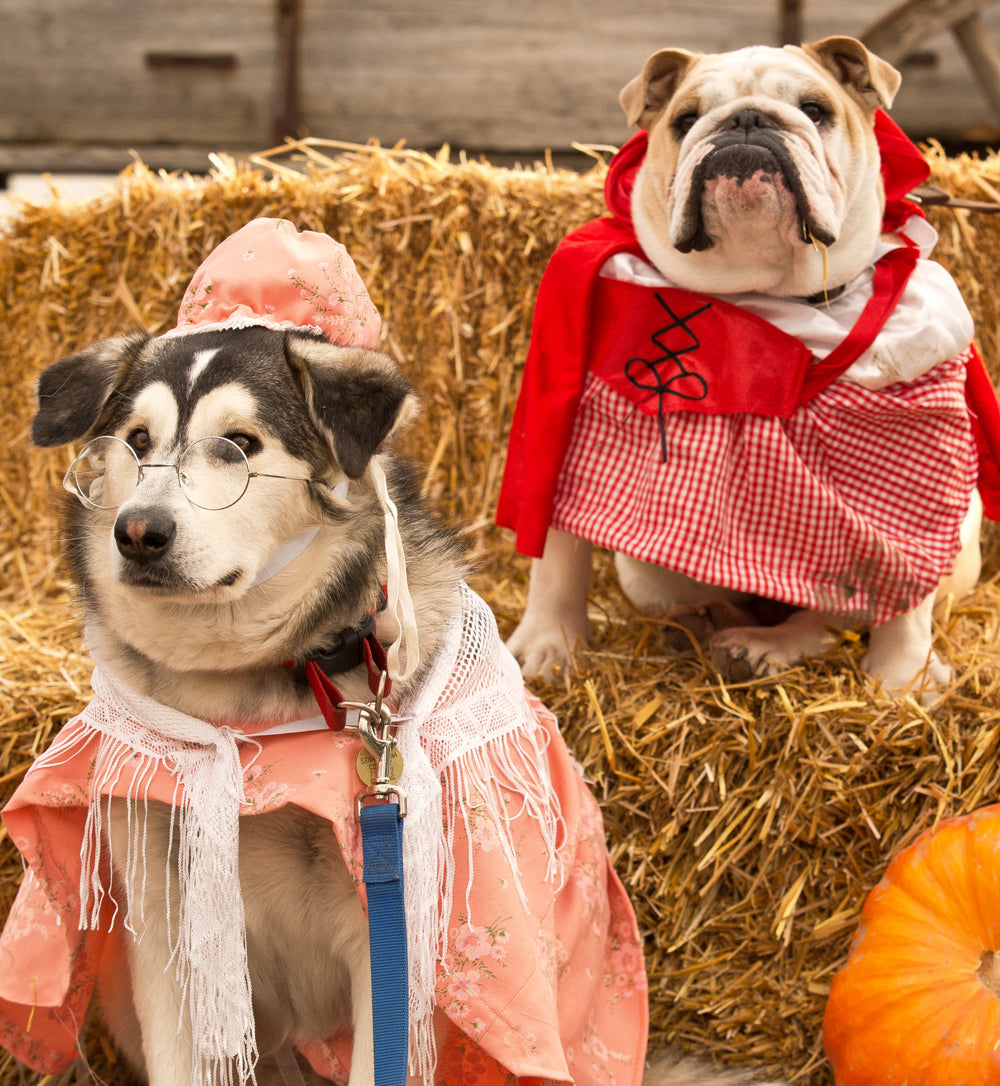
(212, 472)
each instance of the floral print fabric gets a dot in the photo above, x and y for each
(546, 989)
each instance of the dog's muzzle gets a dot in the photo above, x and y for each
(750, 142)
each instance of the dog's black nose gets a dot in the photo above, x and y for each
(143, 536)
(748, 119)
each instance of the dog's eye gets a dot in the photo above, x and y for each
(815, 111)
(245, 443)
(139, 440)
(684, 123)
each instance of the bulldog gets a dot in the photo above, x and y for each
(778, 471)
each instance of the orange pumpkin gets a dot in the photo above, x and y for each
(918, 1003)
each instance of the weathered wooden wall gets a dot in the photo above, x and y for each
(82, 81)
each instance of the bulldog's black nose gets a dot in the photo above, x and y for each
(143, 536)
(749, 119)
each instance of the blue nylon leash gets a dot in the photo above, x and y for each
(382, 846)
(382, 849)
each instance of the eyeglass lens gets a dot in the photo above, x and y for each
(105, 473)
(213, 473)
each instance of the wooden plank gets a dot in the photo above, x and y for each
(68, 157)
(79, 71)
(514, 74)
(524, 76)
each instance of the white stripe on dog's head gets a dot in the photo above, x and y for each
(200, 364)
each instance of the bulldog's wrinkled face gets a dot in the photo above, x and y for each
(762, 172)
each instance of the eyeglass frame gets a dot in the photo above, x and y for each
(72, 488)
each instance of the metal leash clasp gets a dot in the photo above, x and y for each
(375, 730)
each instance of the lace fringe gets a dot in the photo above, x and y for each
(479, 743)
(137, 738)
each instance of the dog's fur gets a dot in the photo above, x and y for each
(725, 217)
(171, 607)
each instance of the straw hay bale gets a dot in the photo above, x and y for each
(749, 821)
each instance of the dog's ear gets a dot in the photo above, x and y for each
(356, 397)
(645, 97)
(72, 392)
(872, 80)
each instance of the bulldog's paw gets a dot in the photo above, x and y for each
(544, 648)
(901, 658)
(747, 652)
(897, 675)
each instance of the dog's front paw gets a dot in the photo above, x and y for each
(746, 652)
(544, 648)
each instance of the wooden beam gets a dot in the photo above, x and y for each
(790, 20)
(982, 55)
(287, 114)
(907, 26)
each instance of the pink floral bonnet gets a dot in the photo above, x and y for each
(268, 273)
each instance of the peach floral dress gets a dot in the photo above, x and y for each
(541, 975)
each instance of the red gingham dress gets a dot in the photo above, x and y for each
(853, 505)
(850, 502)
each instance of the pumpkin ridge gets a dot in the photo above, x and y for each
(934, 883)
(984, 884)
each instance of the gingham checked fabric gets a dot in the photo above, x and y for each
(853, 505)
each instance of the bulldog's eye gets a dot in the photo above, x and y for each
(139, 440)
(815, 111)
(684, 123)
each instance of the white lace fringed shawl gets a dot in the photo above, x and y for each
(468, 732)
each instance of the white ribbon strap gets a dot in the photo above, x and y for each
(399, 601)
(284, 554)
